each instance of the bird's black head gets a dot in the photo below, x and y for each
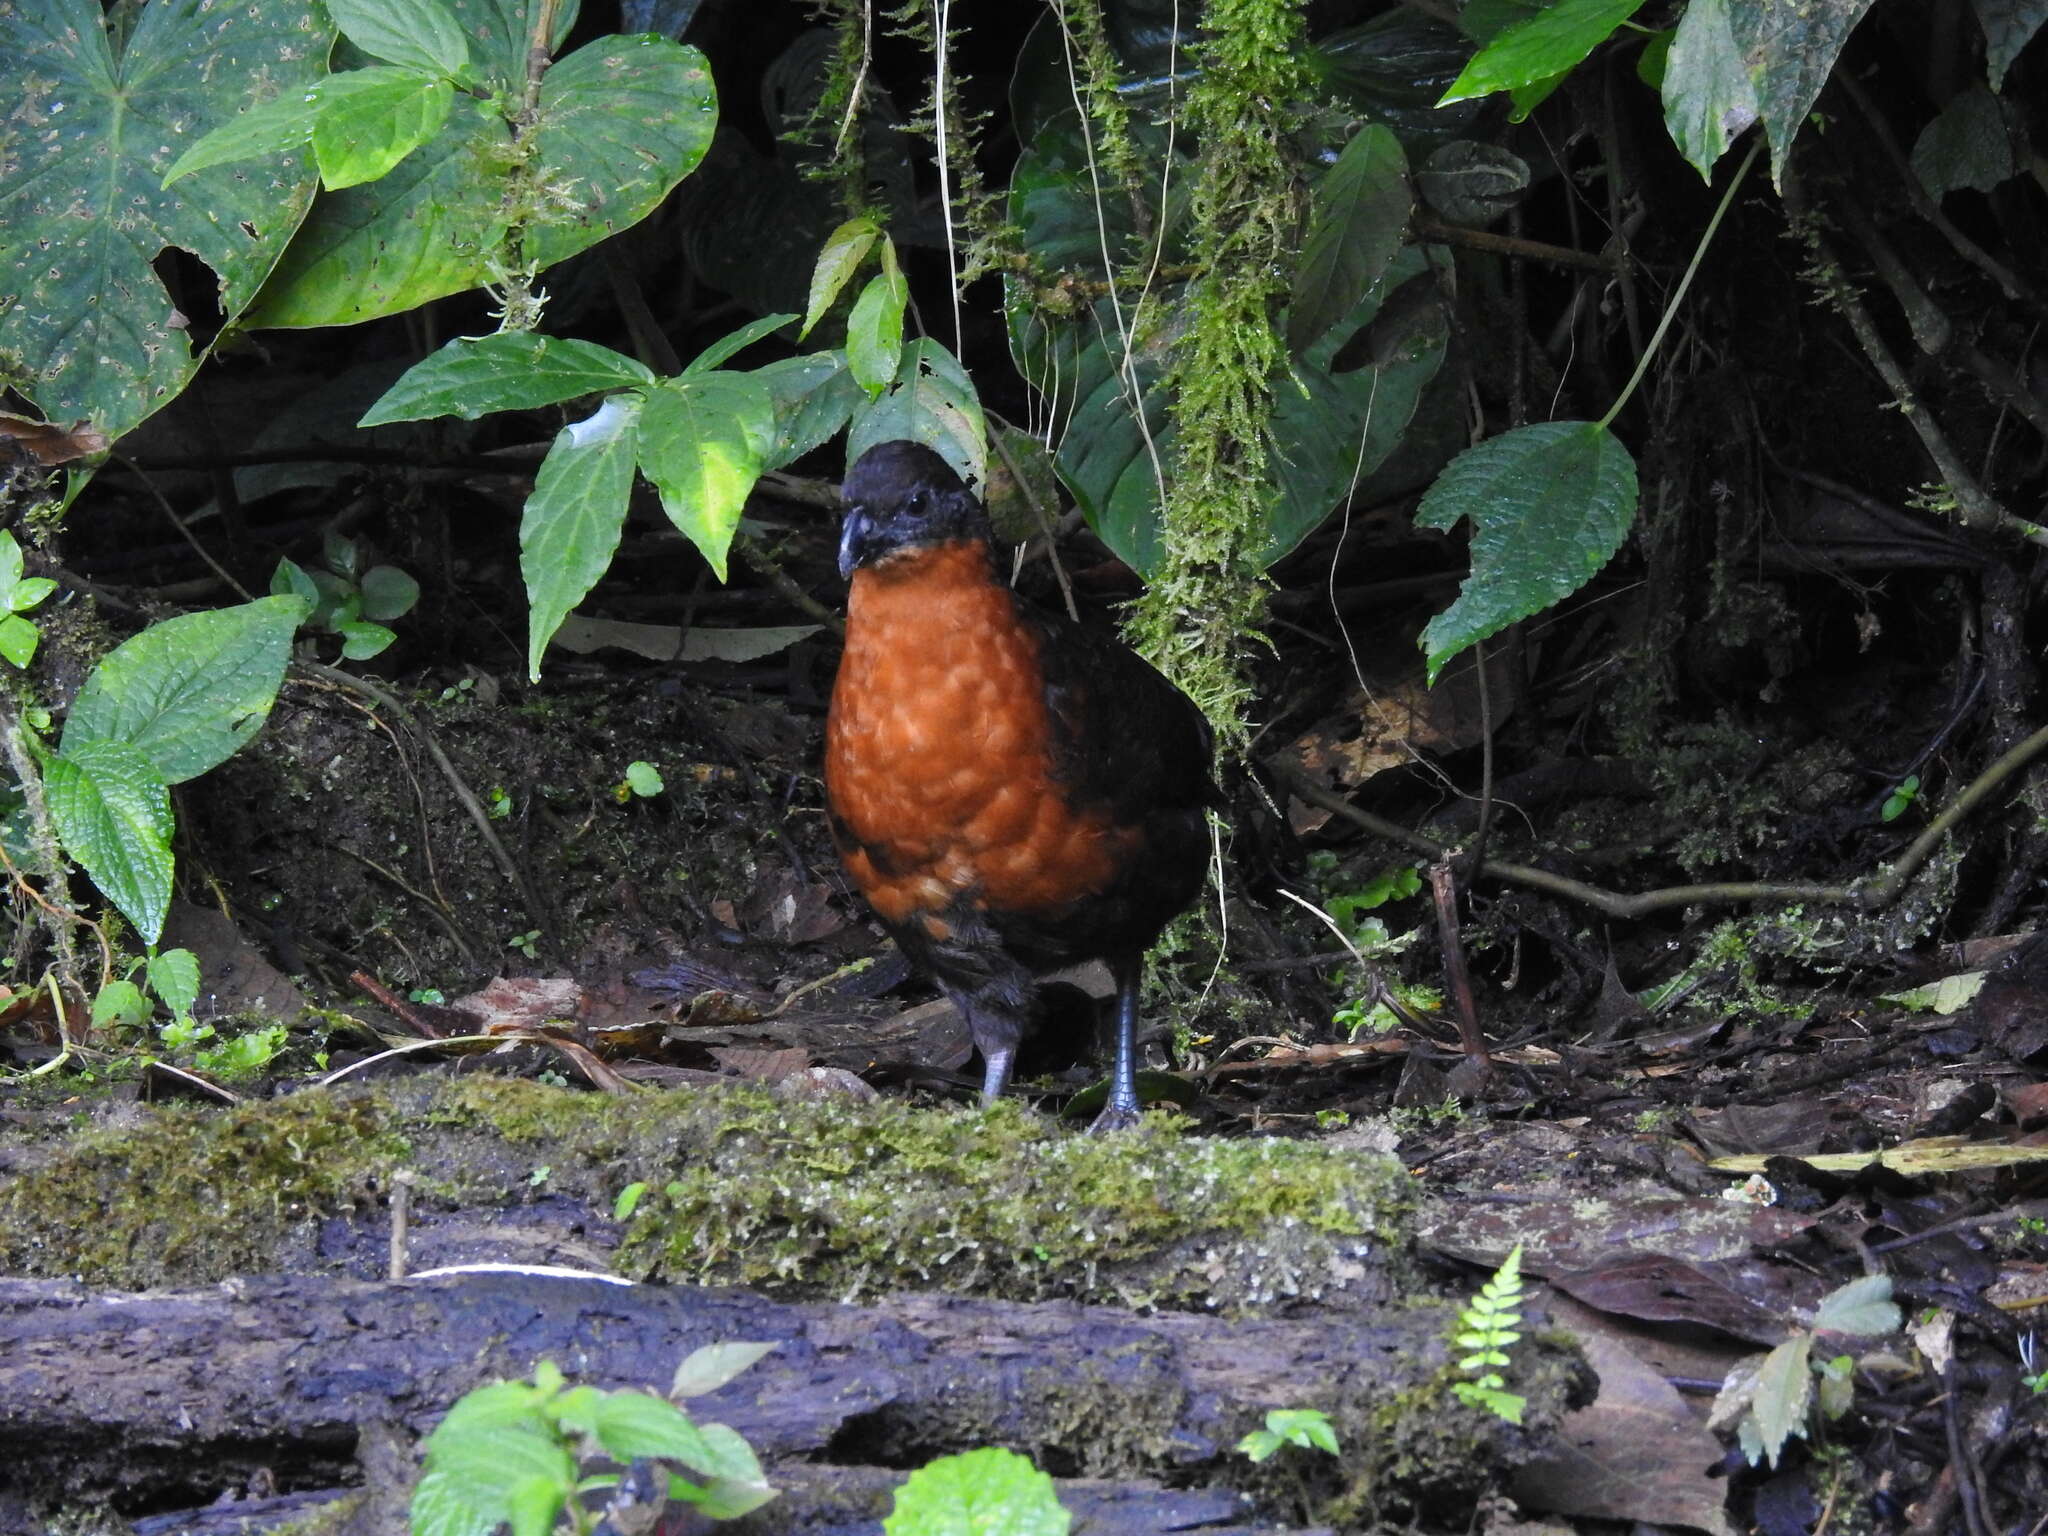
(902, 496)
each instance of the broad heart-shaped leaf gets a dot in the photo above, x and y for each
(1361, 209)
(931, 401)
(1790, 48)
(1549, 504)
(1549, 43)
(704, 438)
(989, 1492)
(112, 811)
(418, 34)
(570, 528)
(382, 116)
(1709, 98)
(510, 371)
(187, 692)
(88, 330)
(622, 120)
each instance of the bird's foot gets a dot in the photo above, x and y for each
(1116, 1117)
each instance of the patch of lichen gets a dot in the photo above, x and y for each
(854, 1201)
(189, 1193)
(804, 1199)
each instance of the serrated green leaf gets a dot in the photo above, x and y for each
(273, 128)
(704, 439)
(18, 639)
(1782, 1394)
(189, 691)
(510, 371)
(733, 1458)
(2009, 25)
(874, 331)
(1549, 505)
(381, 116)
(634, 1424)
(120, 1002)
(843, 252)
(1552, 42)
(570, 529)
(1709, 97)
(989, 1492)
(501, 1405)
(621, 121)
(1361, 211)
(415, 34)
(174, 977)
(739, 340)
(440, 1507)
(88, 329)
(112, 811)
(711, 1367)
(930, 400)
(1863, 1307)
(388, 593)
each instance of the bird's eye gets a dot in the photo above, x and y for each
(916, 502)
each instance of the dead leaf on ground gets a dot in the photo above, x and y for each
(511, 1003)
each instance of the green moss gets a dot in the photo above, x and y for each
(833, 1200)
(194, 1193)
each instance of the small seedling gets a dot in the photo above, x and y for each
(527, 943)
(1770, 1398)
(1486, 1327)
(18, 594)
(348, 600)
(2035, 1377)
(1308, 1428)
(1901, 799)
(642, 779)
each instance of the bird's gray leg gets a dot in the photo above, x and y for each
(1121, 1112)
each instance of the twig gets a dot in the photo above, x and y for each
(1424, 227)
(178, 523)
(1445, 892)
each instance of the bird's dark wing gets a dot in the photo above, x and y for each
(1124, 737)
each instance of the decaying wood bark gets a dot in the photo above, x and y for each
(142, 1399)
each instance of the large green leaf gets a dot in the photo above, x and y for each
(188, 692)
(1789, 48)
(510, 371)
(112, 811)
(1361, 212)
(89, 129)
(931, 401)
(1548, 44)
(989, 1492)
(1709, 98)
(1549, 505)
(622, 120)
(570, 529)
(704, 439)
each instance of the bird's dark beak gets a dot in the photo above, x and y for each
(853, 539)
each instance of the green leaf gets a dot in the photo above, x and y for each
(621, 121)
(416, 34)
(112, 812)
(30, 593)
(370, 119)
(361, 641)
(704, 438)
(815, 397)
(1966, 146)
(629, 1197)
(273, 128)
(1709, 97)
(1790, 48)
(1549, 506)
(501, 1405)
(290, 580)
(88, 329)
(11, 567)
(733, 1458)
(725, 1498)
(931, 401)
(739, 340)
(18, 639)
(507, 1473)
(174, 977)
(388, 593)
(844, 250)
(473, 376)
(634, 1424)
(120, 1002)
(441, 1506)
(874, 331)
(1782, 1394)
(1361, 210)
(711, 1367)
(989, 1492)
(570, 529)
(1552, 42)
(1863, 1307)
(189, 691)
(645, 780)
